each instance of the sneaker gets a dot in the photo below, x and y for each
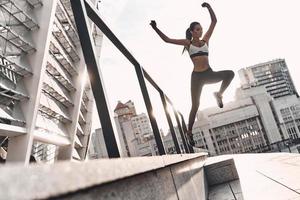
(219, 99)
(190, 139)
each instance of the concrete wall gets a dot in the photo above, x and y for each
(155, 177)
(180, 181)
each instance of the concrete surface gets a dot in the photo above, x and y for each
(269, 176)
(44, 181)
(220, 171)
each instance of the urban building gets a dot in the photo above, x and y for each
(265, 112)
(287, 115)
(135, 133)
(45, 97)
(236, 128)
(274, 75)
(134, 130)
(248, 124)
(97, 148)
(123, 115)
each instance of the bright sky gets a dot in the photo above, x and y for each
(247, 33)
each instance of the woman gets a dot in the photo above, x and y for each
(202, 73)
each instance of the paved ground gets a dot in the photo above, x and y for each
(273, 176)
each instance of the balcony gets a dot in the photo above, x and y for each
(61, 57)
(19, 16)
(16, 40)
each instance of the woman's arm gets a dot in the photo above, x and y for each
(183, 42)
(213, 23)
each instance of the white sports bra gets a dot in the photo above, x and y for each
(198, 51)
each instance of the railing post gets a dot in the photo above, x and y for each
(174, 137)
(81, 19)
(191, 150)
(186, 149)
(157, 136)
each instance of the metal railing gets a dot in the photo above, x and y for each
(84, 10)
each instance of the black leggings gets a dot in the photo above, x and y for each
(198, 80)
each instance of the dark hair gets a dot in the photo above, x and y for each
(188, 34)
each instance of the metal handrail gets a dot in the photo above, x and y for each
(84, 10)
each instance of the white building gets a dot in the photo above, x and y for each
(45, 97)
(274, 75)
(97, 148)
(252, 121)
(262, 101)
(287, 112)
(234, 129)
(141, 127)
(123, 115)
(134, 130)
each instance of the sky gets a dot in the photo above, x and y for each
(247, 33)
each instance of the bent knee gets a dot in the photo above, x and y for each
(230, 74)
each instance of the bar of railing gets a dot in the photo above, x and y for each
(84, 10)
(184, 128)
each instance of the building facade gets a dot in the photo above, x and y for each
(274, 75)
(248, 124)
(236, 128)
(45, 97)
(287, 112)
(97, 148)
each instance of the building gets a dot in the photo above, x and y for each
(262, 101)
(141, 127)
(134, 130)
(287, 115)
(125, 131)
(97, 148)
(274, 75)
(236, 128)
(45, 98)
(251, 123)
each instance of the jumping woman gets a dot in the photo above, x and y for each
(202, 73)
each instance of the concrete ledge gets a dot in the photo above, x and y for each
(220, 171)
(44, 181)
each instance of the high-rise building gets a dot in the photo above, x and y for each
(45, 97)
(134, 130)
(274, 75)
(123, 114)
(97, 148)
(141, 127)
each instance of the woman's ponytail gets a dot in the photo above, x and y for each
(188, 35)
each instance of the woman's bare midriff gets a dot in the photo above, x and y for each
(200, 63)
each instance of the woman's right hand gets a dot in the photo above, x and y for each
(205, 4)
(153, 24)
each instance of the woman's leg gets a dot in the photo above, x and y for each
(196, 88)
(225, 76)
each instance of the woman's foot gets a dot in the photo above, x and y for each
(219, 97)
(190, 139)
